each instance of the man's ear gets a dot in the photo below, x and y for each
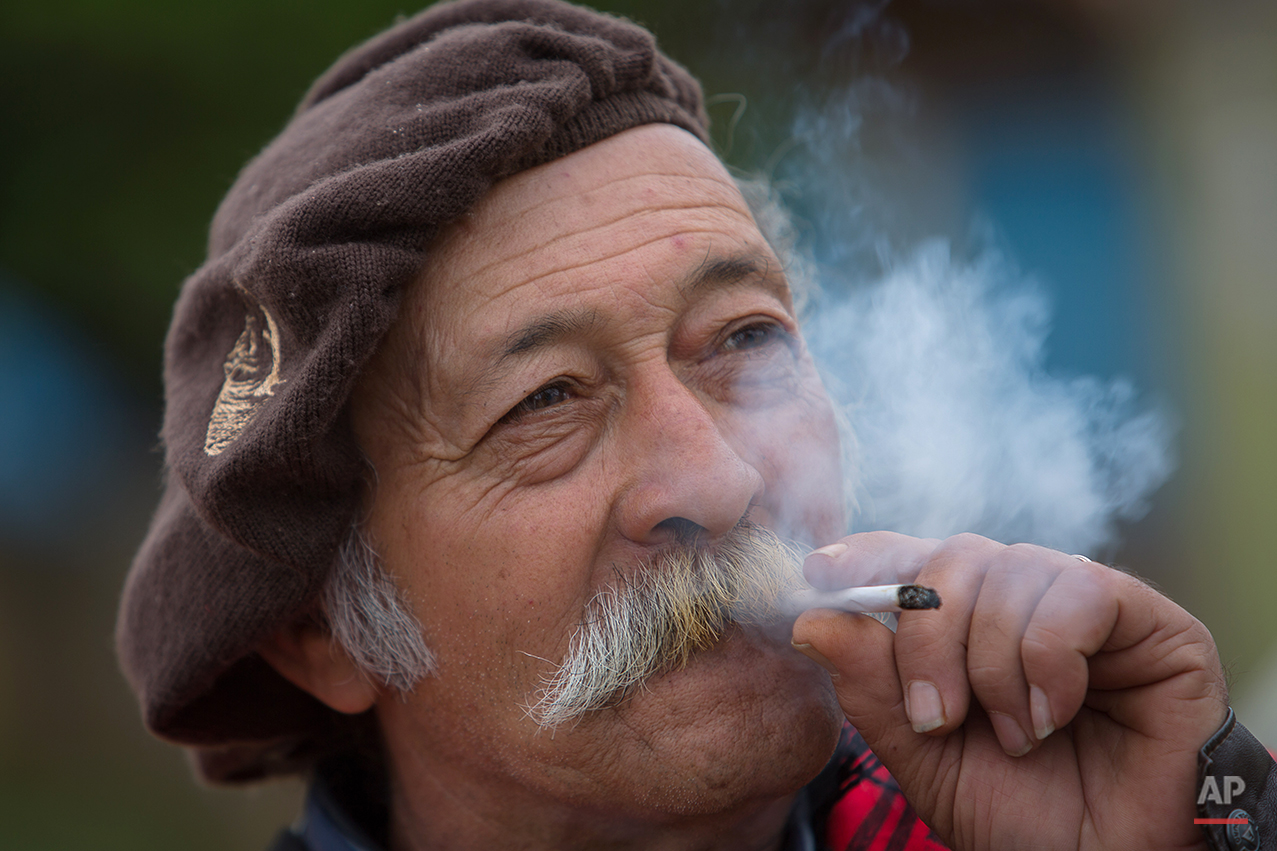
(311, 659)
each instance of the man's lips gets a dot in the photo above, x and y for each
(737, 643)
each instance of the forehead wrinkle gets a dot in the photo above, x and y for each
(602, 258)
(743, 268)
(634, 215)
(544, 199)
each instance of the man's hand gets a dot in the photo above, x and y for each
(1050, 702)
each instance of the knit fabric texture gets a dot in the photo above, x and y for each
(308, 255)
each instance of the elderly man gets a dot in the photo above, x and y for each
(489, 418)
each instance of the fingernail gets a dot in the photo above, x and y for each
(1010, 736)
(832, 550)
(924, 706)
(1040, 710)
(816, 656)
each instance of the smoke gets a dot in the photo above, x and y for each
(956, 424)
(936, 354)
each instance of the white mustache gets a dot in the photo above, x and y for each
(678, 603)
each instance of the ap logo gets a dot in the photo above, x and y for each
(1211, 793)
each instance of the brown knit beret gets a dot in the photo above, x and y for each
(308, 256)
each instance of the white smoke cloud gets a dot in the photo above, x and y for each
(957, 424)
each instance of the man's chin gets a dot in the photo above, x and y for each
(748, 707)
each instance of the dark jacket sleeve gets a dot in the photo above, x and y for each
(1237, 782)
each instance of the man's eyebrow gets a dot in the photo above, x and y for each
(538, 333)
(547, 330)
(752, 267)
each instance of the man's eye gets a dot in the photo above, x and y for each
(752, 337)
(547, 397)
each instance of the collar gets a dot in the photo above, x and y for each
(325, 825)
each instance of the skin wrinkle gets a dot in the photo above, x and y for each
(722, 284)
(546, 330)
(392, 395)
(396, 386)
(634, 219)
(594, 258)
(544, 340)
(515, 222)
(613, 188)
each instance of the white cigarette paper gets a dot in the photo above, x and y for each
(867, 598)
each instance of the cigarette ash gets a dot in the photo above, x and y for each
(918, 597)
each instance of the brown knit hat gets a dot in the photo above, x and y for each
(308, 255)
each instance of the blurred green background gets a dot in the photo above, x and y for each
(1126, 158)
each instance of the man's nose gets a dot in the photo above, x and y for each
(687, 479)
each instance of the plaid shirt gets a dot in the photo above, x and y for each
(853, 805)
(857, 805)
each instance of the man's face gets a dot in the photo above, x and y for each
(600, 361)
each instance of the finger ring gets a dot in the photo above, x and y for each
(1080, 558)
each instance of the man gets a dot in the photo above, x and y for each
(484, 415)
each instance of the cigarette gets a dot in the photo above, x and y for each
(868, 598)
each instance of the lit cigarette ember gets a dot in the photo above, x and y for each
(868, 598)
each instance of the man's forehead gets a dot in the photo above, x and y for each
(481, 354)
(592, 218)
(645, 168)
(750, 268)
(586, 242)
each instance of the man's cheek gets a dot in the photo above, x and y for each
(797, 451)
(494, 660)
